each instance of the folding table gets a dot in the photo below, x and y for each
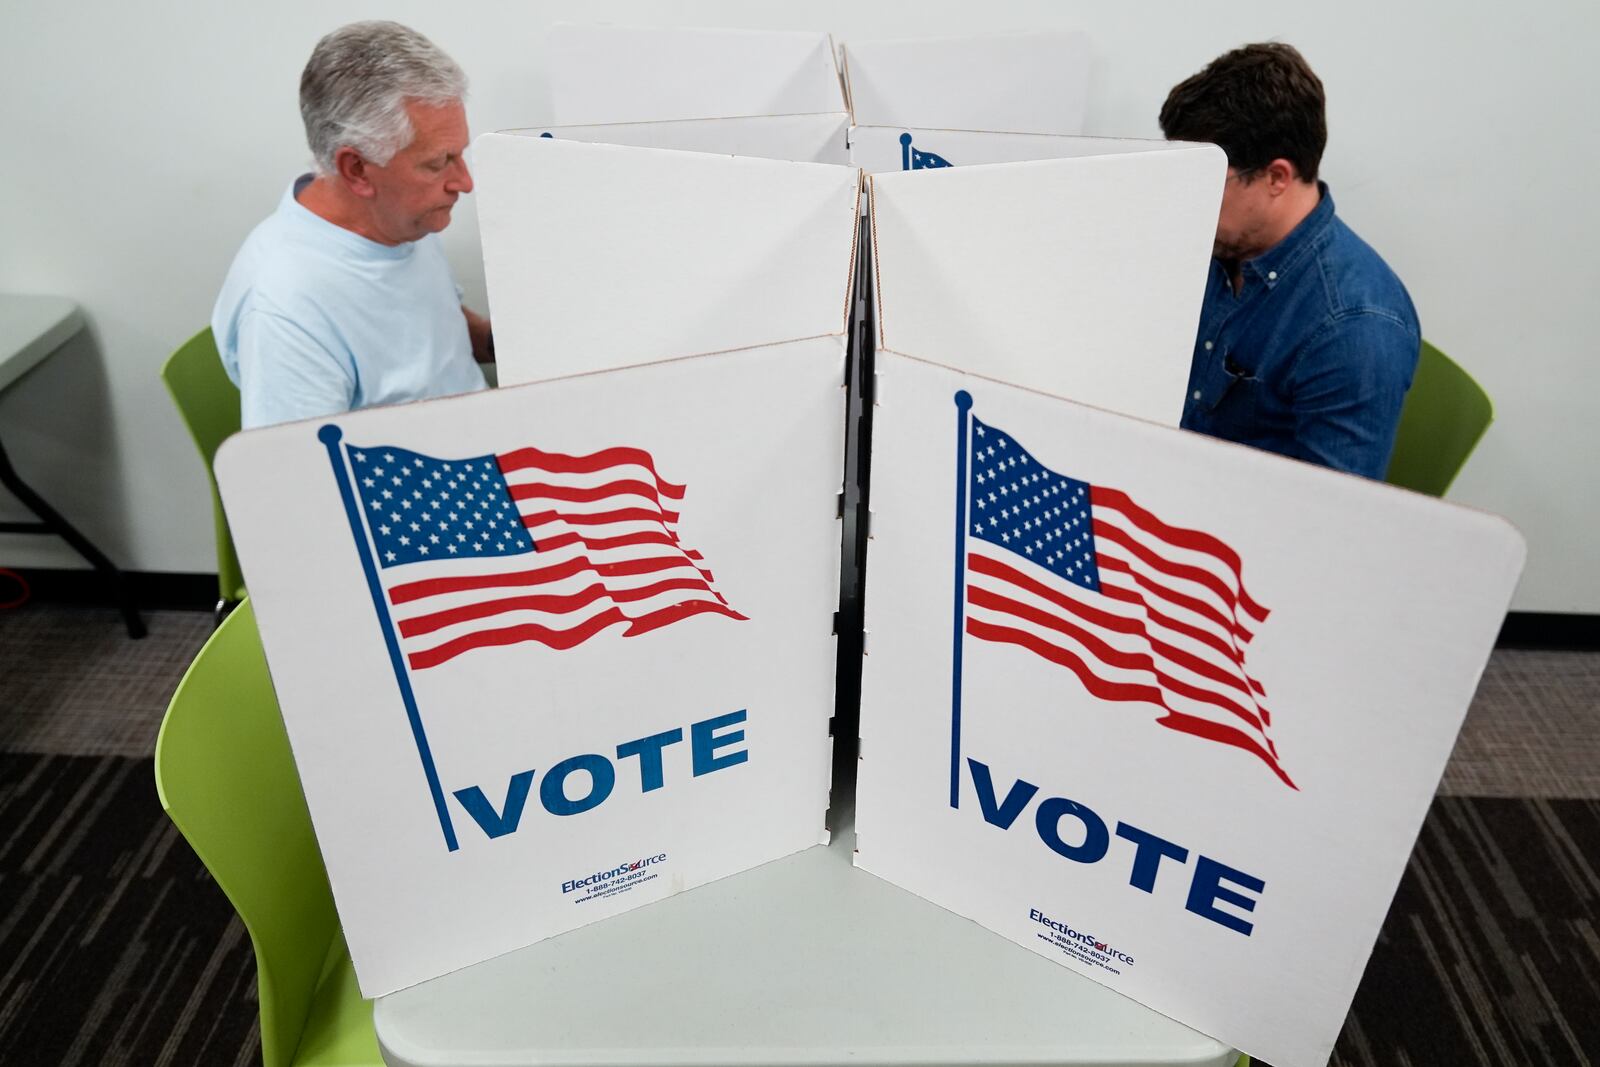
(802, 961)
(31, 328)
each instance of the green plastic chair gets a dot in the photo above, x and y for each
(1445, 415)
(208, 401)
(227, 779)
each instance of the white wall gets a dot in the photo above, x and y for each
(142, 141)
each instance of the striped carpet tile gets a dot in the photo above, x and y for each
(116, 947)
(1489, 955)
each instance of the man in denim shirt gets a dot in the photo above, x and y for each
(1307, 339)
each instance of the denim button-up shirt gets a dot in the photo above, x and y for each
(1313, 356)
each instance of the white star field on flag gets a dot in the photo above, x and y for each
(421, 508)
(1031, 510)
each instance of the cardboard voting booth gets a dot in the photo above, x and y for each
(601, 256)
(1163, 710)
(1024, 83)
(1001, 270)
(770, 94)
(1166, 710)
(1036, 82)
(784, 95)
(798, 138)
(605, 74)
(1079, 275)
(877, 149)
(535, 658)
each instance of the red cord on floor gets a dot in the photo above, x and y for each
(23, 590)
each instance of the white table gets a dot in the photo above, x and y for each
(31, 328)
(803, 961)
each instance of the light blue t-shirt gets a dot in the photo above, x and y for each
(316, 320)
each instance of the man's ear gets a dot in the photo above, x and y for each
(1280, 175)
(352, 172)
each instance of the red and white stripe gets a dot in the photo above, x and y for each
(1169, 626)
(605, 530)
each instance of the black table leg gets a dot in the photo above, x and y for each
(52, 523)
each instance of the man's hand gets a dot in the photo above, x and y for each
(482, 335)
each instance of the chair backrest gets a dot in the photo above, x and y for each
(208, 401)
(1445, 415)
(226, 778)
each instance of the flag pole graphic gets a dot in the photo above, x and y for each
(963, 406)
(905, 151)
(329, 435)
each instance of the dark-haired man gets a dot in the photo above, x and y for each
(1307, 339)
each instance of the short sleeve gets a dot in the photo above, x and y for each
(285, 374)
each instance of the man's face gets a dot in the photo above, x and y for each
(1246, 200)
(414, 193)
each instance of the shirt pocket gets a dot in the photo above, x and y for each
(1231, 396)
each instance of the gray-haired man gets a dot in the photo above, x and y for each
(342, 299)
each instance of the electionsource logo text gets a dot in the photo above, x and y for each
(1087, 939)
(615, 872)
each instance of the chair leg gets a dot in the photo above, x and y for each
(52, 522)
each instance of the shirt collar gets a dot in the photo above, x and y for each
(1276, 262)
(351, 240)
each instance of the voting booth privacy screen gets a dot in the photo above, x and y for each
(1033, 82)
(603, 74)
(600, 256)
(534, 659)
(1163, 710)
(1078, 275)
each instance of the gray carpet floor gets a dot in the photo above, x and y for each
(72, 684)
(116, 948)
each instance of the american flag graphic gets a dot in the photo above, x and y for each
(916, 159)
(526, 546)
(1138, 609)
